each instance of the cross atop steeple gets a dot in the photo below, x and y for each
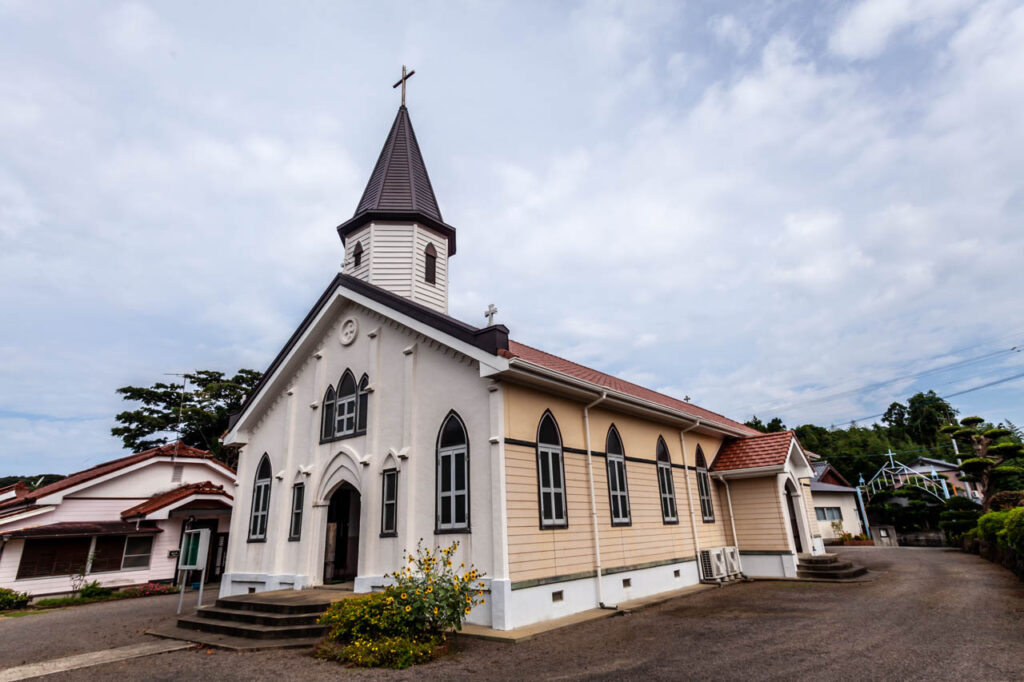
(401, 81)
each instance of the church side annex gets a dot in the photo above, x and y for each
(384, 421)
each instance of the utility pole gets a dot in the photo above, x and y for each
(181, 407)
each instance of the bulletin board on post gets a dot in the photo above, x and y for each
(195, 547)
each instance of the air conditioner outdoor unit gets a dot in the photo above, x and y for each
(732, 560)
(712, 564)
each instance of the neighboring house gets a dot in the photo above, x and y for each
(384, 422)
(950, 472)
(835, 500)
(119, 522)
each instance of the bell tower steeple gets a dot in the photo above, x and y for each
(397, 239)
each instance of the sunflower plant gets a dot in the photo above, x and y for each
(435, 593)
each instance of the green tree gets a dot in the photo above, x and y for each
(199, 415)
(994, 466)
(773, 426)
(926, 414)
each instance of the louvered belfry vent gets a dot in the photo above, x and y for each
(399, 181)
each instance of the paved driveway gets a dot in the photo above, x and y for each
(932, 614)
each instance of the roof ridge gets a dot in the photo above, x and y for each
(627, 382)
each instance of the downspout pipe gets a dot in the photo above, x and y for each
(732, 523)
(593, 500)
(689, 496)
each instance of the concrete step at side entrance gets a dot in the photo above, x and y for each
(257, 617)
(843, 574)
(250, 630)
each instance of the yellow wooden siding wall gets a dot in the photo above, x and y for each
(536, 553)
(760, 524)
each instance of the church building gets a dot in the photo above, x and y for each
(384, 421)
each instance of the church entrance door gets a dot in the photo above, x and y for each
(341, 551)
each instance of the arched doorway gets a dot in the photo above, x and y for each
(341, 551)
(794, 524)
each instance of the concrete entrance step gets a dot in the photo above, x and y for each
(251, 630)
(222, 641)
(840, 574)
(257, 617)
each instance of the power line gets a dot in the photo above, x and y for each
(879, 384)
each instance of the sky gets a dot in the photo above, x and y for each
(796, 209)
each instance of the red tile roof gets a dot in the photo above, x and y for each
(168, 450)
(171, 496)
(577, 371)
(769, 449)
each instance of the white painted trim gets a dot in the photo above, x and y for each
(164, 512)
(28, 514)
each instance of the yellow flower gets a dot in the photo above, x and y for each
(429, 590)
(467, 610)
(435, 610)
(483, 601)
(404, 596)
(408, 609)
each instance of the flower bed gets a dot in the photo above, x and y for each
(407, 623)
(92, 593)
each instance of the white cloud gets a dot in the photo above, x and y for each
(729, 30)
(865, 30)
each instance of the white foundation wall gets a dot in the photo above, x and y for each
(415, 383)
(535, 604)
(768, 564)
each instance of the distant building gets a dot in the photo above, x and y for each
(119, 522)
(949, 471)
(835, 500)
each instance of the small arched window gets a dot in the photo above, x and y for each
(430, 264)
(618, 492)
(452, 476)
(707, 509)
(260, 500)
(345, 412)
(357, 255)
(666, 486)
(551, 474)
(327, 428)
(362, 404)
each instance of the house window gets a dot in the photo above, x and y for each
(551, 475)
(707, 509)
(389, 504)
(345, 406)
(430, 265)
(357, 255)
(295, 527)
(60, 556)
(176, 472)
(828, 513)
(108, 554)
(362, 404)
(328, 419)
(452, 476)
(260, 501)
(137, 551)
(666, 486)
(618, 493)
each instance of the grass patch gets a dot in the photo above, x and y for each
(19, 614)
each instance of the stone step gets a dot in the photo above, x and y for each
(820, 559)
(845, 574)
(257, 617)
(250, 603)
(837, 566)
(250, 630)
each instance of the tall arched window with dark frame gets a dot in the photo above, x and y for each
(618, 492)
(551, 474)
(327, 422)
(260, 512)
(666, 485)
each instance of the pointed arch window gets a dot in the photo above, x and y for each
(707, 509)
(362, 404)
(357, 255)
(430, 264)
(452, 512)
(618, 492)
(327, 427)
(345, 410)
(260, 501)
(666, 486)
(551, 474)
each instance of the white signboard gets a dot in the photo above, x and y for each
(195, 546)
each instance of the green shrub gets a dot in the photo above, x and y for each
(959, 516)
(433, 592)
(1014, 530)
(9, 599)
(366, 616)
(1007, 499)
(93, 590)
(991, 525)
(386, 652)
(147, 590)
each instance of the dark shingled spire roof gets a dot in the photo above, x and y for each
(399, 187)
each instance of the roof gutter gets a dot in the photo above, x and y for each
(592, 388)
(593, 500)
